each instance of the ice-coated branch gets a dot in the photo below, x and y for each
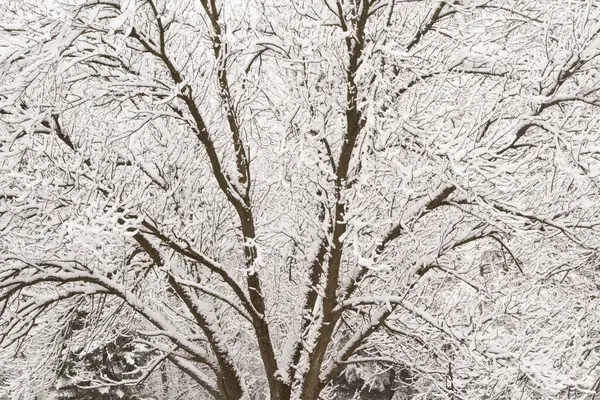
(34, 275)
(355, 123)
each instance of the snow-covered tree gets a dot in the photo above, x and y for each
(302, 199)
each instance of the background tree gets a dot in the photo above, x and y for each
(282, 198)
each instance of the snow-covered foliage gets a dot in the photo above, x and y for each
(299, 199)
